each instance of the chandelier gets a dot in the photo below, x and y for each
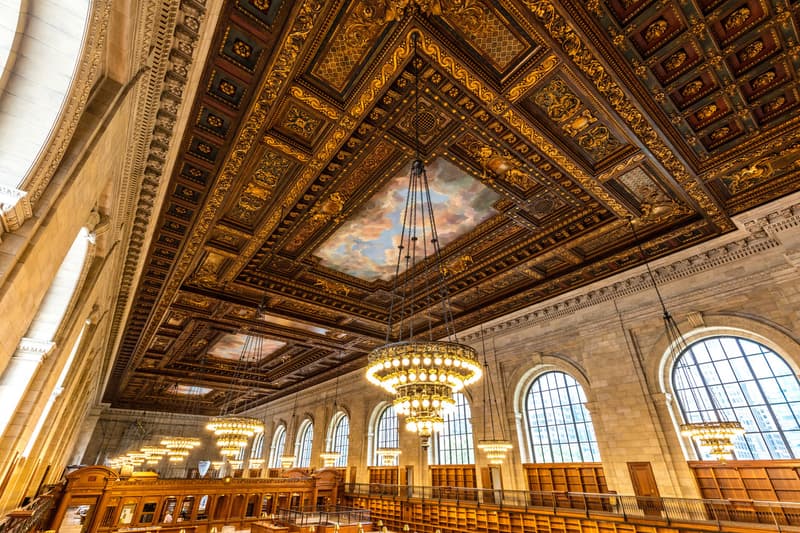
(179, 448)
(713, 436)
(153, 454)
(493, 446)
(422, 373)
(329, 458)
(136, 458)
(233, 432)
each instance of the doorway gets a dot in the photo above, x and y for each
(645, 488)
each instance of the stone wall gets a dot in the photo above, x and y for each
(610, 337)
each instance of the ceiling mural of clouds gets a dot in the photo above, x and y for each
(230, 347)
(365, 246)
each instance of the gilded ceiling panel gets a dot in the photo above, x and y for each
(560, 120)
(349, 43)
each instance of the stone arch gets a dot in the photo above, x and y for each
(697, 327)
(525, 377)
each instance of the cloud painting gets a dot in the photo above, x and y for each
(230, 347)
(365, 246)
(191, 390)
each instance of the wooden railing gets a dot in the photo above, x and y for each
(452, 510)
(33, 517)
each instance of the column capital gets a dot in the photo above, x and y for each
(663, 398)
(33, 349)
(15, 208)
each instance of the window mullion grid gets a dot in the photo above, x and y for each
(767, 403)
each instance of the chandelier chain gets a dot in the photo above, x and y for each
(715, 436)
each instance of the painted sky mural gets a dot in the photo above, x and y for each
(230, 347)
(365, 246)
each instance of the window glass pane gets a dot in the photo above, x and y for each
(258, 446)
(790, 391)
(793, 438)
(730, 378)
(304, 448)
(559, 426)
(454, 442)
(278, 444)
(341, 440)
(386, 433)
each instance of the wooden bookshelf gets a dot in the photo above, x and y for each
(450, 478)
(462, 476)
(566, 477)
(385, 475)
(748, 480)
(427, 516)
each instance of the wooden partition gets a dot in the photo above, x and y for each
(566, 477)
(113, 504)
(748, 480)
(386, 475)
(460, 476)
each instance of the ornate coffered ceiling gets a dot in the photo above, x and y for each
(567, 117)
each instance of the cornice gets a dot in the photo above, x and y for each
(761, 237)
(169, 48)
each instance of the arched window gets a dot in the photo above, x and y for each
(559, 426)
(239, 457)
(278, 443)
(258, 446)
(340, 441)
(386, 433)
(304, 441)
(454, 442)
(732, 378)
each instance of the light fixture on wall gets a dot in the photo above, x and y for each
(422, 373)
(233, 432)
(714, 436)
(330, 455)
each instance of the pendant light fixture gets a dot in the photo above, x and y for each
(232, 431)
(715, 435)
(287, 459)
(330, 455)
(420, 371)
(494, 445)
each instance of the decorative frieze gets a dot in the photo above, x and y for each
(170, 45)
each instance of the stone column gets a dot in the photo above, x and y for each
(18, 374)
(86, 432)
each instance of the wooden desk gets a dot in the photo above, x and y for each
(266, 527)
